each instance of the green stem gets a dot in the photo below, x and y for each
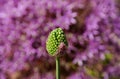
(57, 68)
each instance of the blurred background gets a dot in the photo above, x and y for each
(92, 28)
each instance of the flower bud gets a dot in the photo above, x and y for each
(55, 38)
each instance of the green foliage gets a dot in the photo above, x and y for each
(108, 58)
(92, 72)
(54, 39)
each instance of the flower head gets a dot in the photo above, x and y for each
(54, 41)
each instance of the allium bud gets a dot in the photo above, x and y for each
(54, 41)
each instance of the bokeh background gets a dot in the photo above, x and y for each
(92, 28)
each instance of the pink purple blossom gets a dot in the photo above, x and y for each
(92, 28)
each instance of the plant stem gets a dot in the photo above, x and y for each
(57, 68)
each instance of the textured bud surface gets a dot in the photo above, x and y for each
(54, 39)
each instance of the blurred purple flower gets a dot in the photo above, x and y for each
(24, 27)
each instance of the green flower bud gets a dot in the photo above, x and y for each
(54, 39)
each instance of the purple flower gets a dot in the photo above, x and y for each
(25, 25)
